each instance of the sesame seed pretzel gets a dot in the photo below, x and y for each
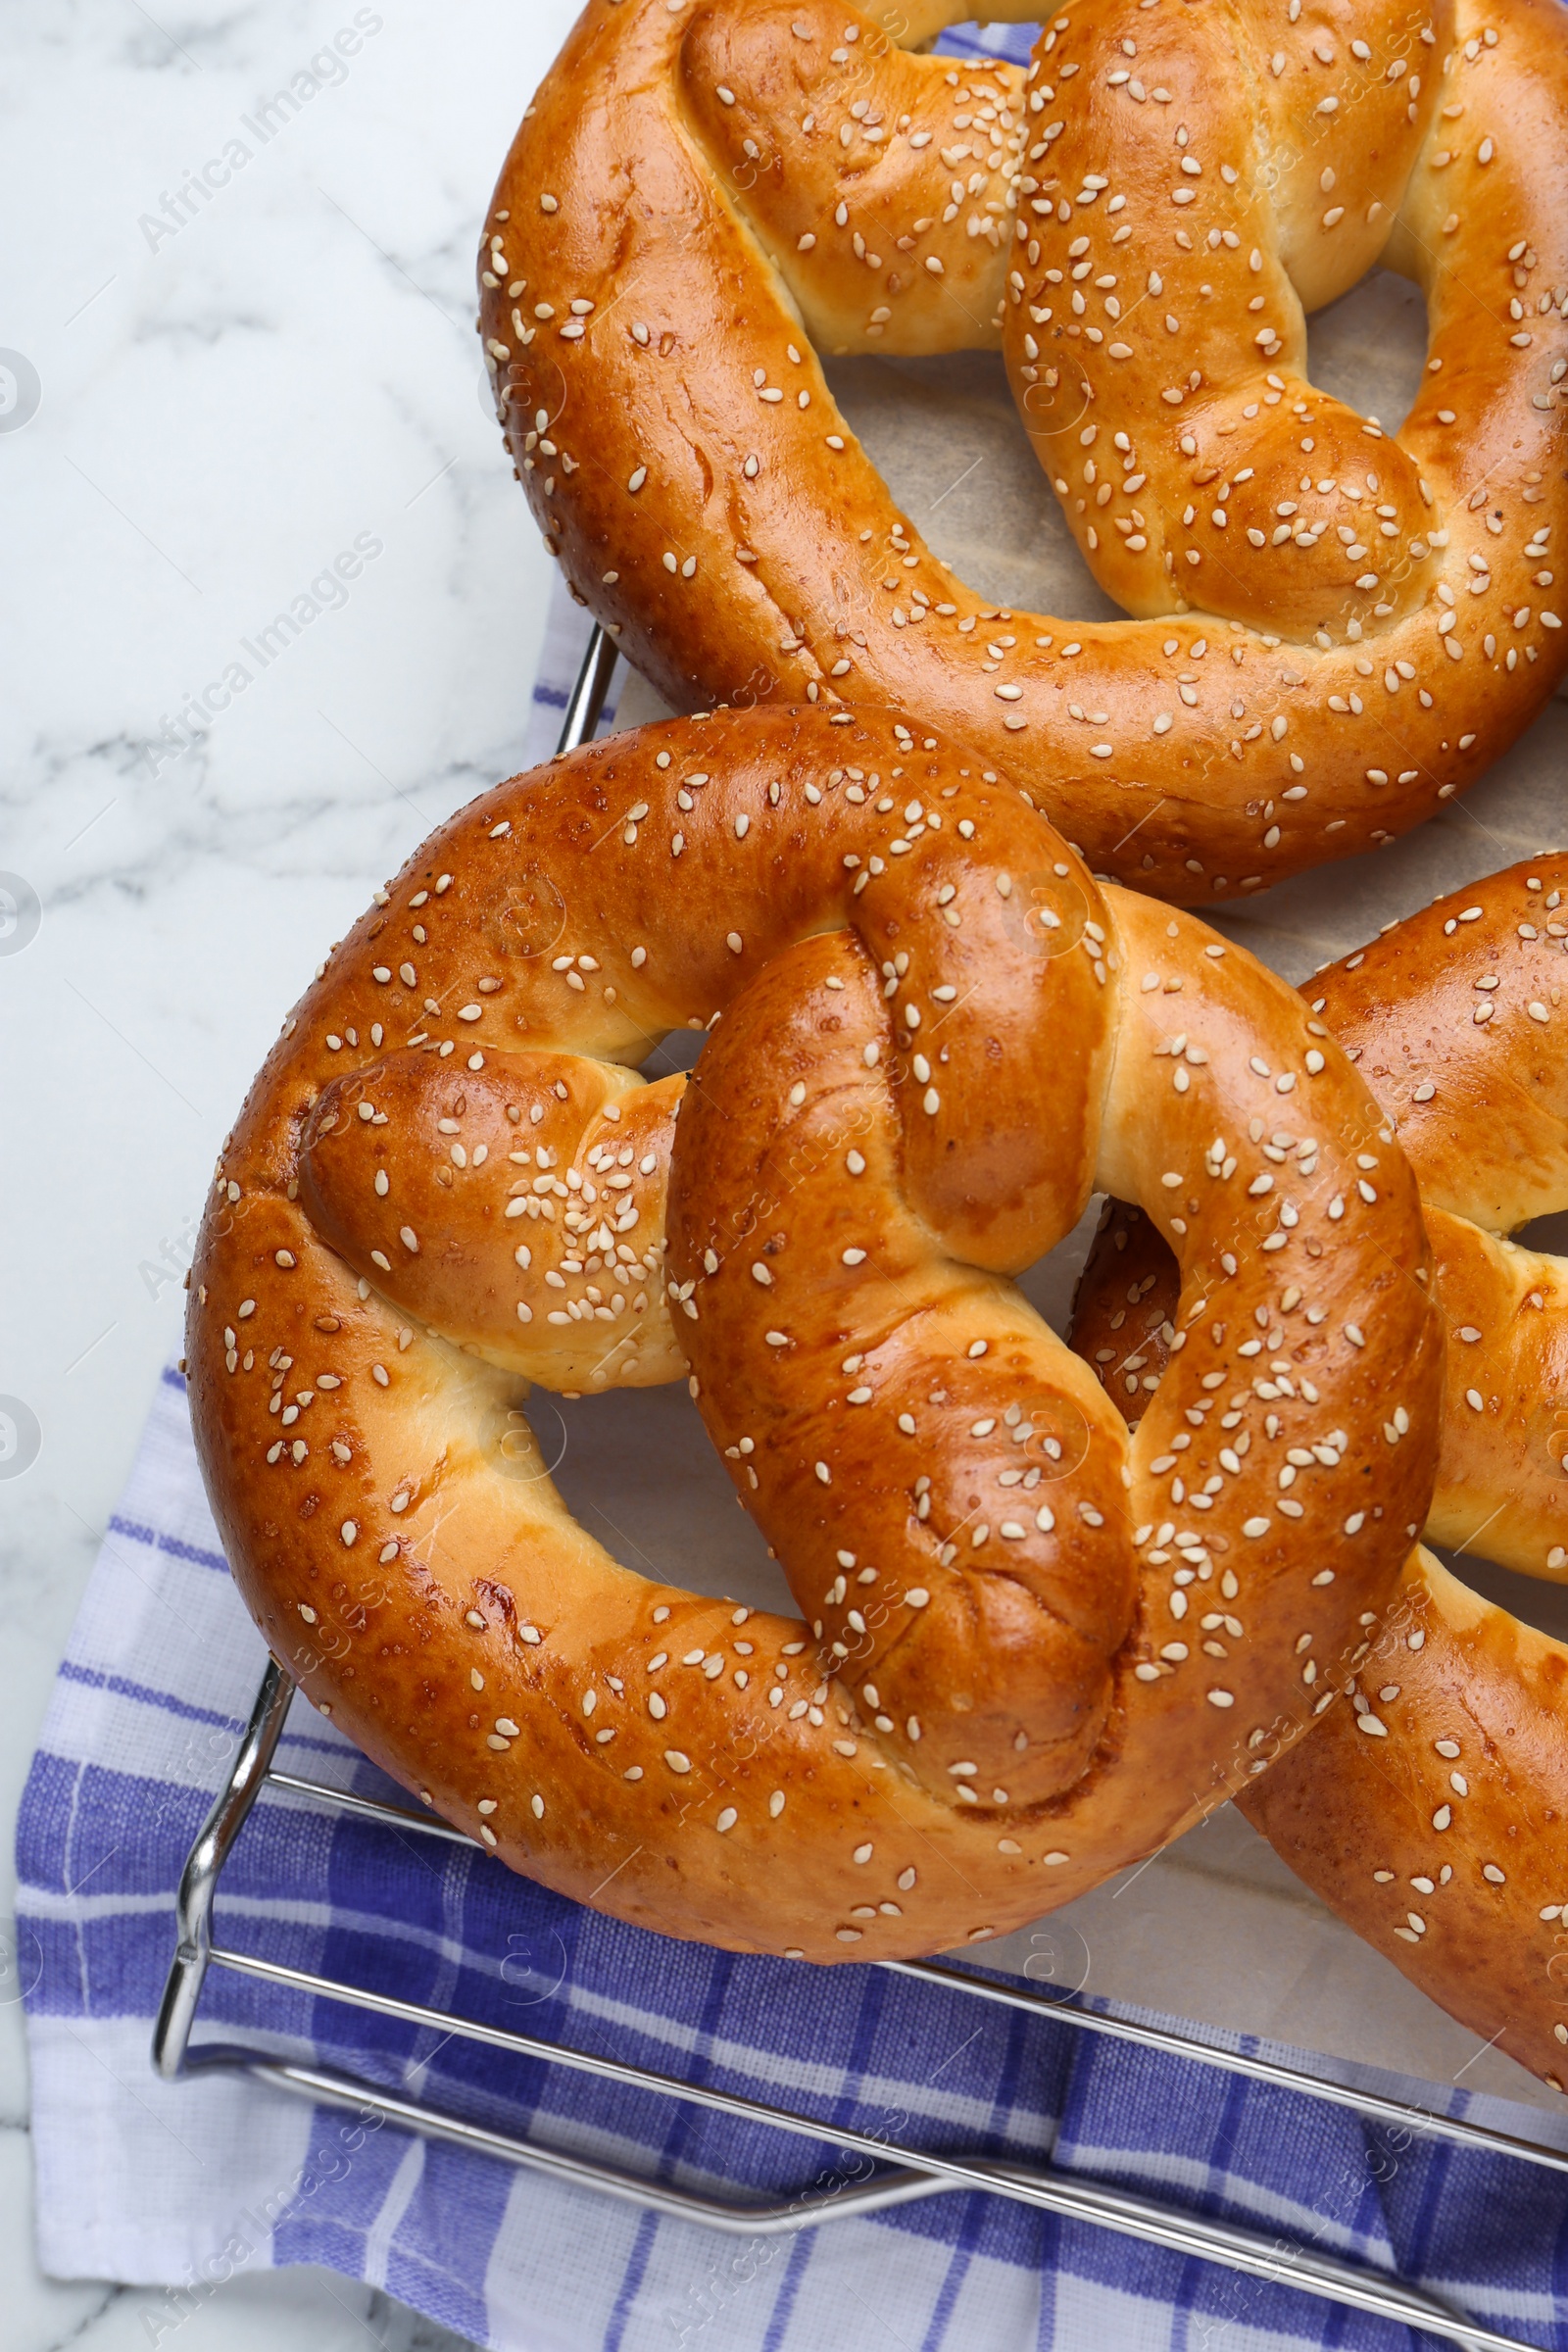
(1444, 1786)
(1337, 629)
(450, 1181)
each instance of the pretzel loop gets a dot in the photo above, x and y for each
(1428, 1811)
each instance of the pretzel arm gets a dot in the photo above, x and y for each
(1429, 1812)
(890, 228)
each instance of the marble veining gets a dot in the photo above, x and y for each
(237, 384)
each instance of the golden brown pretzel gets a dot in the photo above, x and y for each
(448, 1181)
(1433, 1813)
(1339, 628)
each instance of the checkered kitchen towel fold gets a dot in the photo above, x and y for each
(165, 2184)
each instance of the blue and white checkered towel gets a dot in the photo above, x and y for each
(180, 2185)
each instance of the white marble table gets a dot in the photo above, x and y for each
(234, 389)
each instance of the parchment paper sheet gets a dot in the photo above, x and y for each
(1216, 1929)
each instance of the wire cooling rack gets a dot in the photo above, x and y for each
(903, 2173)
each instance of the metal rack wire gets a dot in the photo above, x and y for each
(903, 2175)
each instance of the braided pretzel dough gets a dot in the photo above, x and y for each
(1338, 629)
(450, 1181)
(1441, 1835)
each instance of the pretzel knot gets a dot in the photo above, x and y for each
(1337, 629)
(1036, 1646)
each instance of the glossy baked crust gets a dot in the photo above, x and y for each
(1337, 628)
(1432, 1811)
(934, 1035)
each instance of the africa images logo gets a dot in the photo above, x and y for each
(20, 391)
(325, 70)
(327, 593)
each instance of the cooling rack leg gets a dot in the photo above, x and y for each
(588, 695)
(918, 2174)
(199, 1879)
